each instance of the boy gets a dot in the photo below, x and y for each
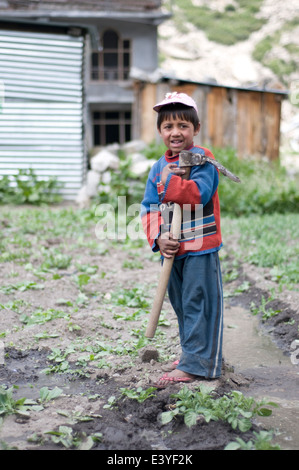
(195, 286)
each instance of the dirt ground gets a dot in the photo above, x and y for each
(94, 349)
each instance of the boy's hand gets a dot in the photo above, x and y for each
(171, 168)
(168, 245)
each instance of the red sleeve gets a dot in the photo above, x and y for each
(151, 223)
(181, 191)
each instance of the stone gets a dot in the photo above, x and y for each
(133, 146)
(148, 353)
(140, 168)
(92, 183)
(82, 198)
(104, 160)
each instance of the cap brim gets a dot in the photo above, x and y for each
(158, 106)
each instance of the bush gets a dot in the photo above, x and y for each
(281, 67)
(26, 188)
(265, 186)
(125, 183)
(227, 27)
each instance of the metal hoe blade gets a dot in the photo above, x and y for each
(187, 158)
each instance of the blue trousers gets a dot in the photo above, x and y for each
(195, 293)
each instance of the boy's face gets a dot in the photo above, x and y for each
(177, 134)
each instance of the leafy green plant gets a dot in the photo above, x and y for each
(26, 187)
(267, 241)
(139, 394)
(21, 287)
(132, 264)
(61, 365)
(123, 183)
(266, 312)
(63, 436)
(15, 305)
(134, 298)
(261, 441)
(53, 258)
(77, 416)
(154, 150)
(68, 438)
(22, 406)
(234, 408)
(82, 280)
(41, 316)
(265, 187)
(45, 335)
(19, 255)
(59, 360)
(5, 189)
(112, 403)
(46, 394)
(129, 317)
(88, 269)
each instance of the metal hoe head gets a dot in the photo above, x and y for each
(187, 159)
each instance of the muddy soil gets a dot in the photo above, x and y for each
(87, 340)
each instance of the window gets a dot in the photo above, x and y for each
(113, 62)
(111, 126)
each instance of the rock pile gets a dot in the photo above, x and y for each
(106, 161)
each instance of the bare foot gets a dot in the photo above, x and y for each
(176, 376)
(180, 373)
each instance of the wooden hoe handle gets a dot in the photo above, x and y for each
(165, 272)
(164, 276)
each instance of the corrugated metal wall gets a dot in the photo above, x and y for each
(41, 120)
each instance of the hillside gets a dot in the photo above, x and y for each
(199, 44)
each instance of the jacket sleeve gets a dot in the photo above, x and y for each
(199, 189)
(150, 213)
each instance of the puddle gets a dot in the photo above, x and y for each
(253, 354)
(246, 345)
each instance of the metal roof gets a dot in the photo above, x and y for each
(253, 87)
(142, 11)
(97, 5)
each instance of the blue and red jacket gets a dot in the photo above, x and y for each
(198, 197)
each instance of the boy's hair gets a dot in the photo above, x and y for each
(180, 111)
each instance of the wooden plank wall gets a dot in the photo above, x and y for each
(246, 120)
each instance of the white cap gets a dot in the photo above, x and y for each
(176, 97)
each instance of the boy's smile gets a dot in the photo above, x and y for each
(177, 134)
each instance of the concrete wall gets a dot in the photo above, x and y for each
(121, 95)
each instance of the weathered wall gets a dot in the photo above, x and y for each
(247, 120)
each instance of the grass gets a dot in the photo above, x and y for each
(232, 25)
(268, 241)
(281, 67)
(265, 187)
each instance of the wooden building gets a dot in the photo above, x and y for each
(246, 119)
